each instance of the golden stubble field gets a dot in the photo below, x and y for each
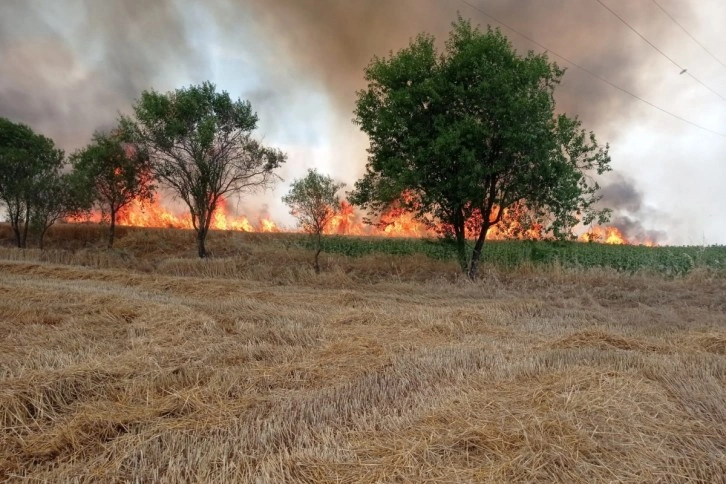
(249, 368)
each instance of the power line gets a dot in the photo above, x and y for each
(682, 69)
(639, 34)
(588, 71)
(688, 33)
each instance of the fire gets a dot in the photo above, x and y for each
(267, 225)
(154, 214)
(395, 222)
(608, 235)
(613, 236)
(345, 222)
(398, 222)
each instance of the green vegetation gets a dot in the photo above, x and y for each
(33, 188)
(313, 200)
(458, 137)
(113, 174)
(201, 148)
(517, 253)
(431, 256)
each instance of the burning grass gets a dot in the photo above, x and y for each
(126, 366)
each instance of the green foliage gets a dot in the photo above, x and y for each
(30, 181)
(471, 131)
(512, 254)
(54, 198)
(313, 200)
(201, 146)
(112, 173)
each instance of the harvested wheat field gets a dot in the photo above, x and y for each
(116, 366)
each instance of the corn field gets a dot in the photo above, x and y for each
(514, 253)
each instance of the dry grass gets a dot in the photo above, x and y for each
(144, 364)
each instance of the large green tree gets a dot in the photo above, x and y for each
(470, 131)
(313, 200)
(115, 172)
(29, 162)
(201, 147)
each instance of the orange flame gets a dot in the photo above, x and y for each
(613, 236)
(395, 222)
(154, 214)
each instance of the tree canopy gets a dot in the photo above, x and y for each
(465, 133)
(30, 167)
(54, 197)
(201, 147)
(114, 173)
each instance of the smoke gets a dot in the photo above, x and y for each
(84, 60)
(633, 230)
(70, 67)
(333, 40)
(629, 208)
(622, 193)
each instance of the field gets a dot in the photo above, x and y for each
(145, 364)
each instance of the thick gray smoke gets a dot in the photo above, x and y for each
(69, 67)
(333, 40)
(626, 200)
(71, 64)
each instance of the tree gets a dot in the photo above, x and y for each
(469, 132)
(201, 146)
(27, 161)
(54, 198)
(314, 202)
(116, 173)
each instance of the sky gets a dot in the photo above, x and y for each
(70, 67)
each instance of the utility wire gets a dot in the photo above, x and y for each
(588, 71)
(683, 69)
(688, 33)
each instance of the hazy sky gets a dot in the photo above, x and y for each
(69, 67)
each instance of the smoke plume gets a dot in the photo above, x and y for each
(69, 67)
(79, 62)
(626, 200)
(333, 40)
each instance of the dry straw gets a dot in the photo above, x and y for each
(143, 364)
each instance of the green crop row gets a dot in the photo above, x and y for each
(509, 254)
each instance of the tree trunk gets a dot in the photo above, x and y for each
(13, 206)
(316, 263)
(461, 251)
(476, 254)
(460, 233)
(112, 229)
(41, 238)
(201, 236)
(15, 224)
(24, 242)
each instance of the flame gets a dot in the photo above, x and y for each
(612, 236)
(345, 222)
(154, 214)
(267, 225)
(394, 222)
(397, 221)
